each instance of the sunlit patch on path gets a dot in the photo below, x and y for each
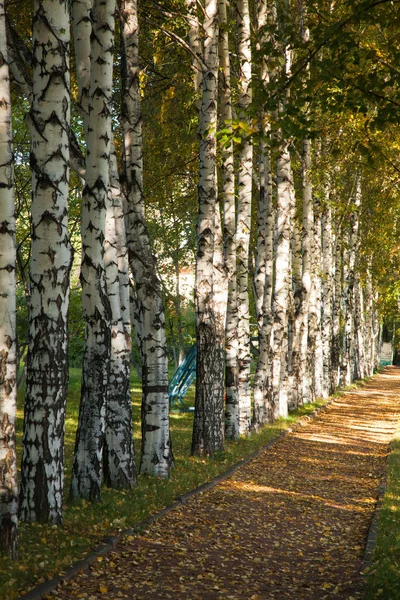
(290, 524)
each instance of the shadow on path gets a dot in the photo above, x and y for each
(292, 523)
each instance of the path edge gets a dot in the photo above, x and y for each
(42, 590)
(372, 536)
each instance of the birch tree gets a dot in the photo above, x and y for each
(263, 280)
(336, 310)
(194, 42)
(244, 183)
(359, 329)
(327, 292)
(156, 455)
(228, 186)
(208, 427)
(87, 467)
(42, 471)
(285, 197)
(347, 357)
(295, 318)
(315, 359)
(282, 272)
(8, 341)
(118, 453)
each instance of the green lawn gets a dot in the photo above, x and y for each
(384, 573)
(46, 550)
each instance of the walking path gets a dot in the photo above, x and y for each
(292, 523)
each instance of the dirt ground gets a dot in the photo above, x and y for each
(293, 523)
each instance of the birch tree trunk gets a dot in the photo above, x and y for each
(156, 452)
(336, 311)
(347, 362)
(208, 426)
(228, 186)
(87, 467)
(369, 324)
(264, 284)
(118, 454)
(295, 317)
(42, 470)
(303, 368)
(327, 295)
(282, 273)
(263, 280)
(194, 42)
(347, 306)
(178, 310)
(245, 174)
(82, 29)
(8, 339)
(376, 330)
(359, 329)
(304, 380)
(315, 335)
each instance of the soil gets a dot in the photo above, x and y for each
(292, 523)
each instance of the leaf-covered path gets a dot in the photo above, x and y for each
(292, 523)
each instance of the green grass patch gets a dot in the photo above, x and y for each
(46, 550)
(384, 573)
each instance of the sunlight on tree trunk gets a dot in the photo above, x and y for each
(8, 335)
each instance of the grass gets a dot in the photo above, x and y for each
(46, 550)
(383, 574)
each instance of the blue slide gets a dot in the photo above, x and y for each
(182, 378)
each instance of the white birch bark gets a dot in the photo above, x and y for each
(303, 376)
(208, 427)
(346, 307)
(228, 186)
(285, 199)
(295, 312)
(314, 324)
(263, 279)
(156, 453)
(359, 329)
(42, 471)
(369, 325)
(347, 361)
(82, 28)
(336, 311)
(263, 376)
(327, 294)
(118, 454)
(194, 42)
(264, 285)
(178, 311)
(8, 339)
(376, 331)
(87, 467)
(243, 227)
(282, 274)
(303, 368)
